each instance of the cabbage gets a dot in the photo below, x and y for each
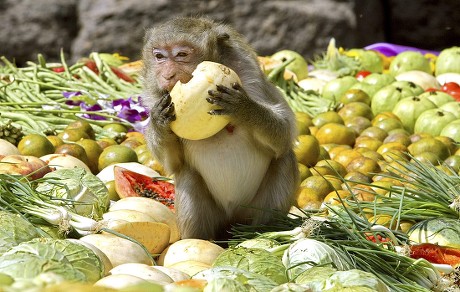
(14, 230)
(290, 287)
(320, 279)
(254, 260)
(252, 281)
(225, 285)
(66, 259)
(306, 253)
(87, 191)
(355, 280)
(315, 277)
(262, 243)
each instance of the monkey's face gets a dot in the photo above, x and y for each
(173, 63)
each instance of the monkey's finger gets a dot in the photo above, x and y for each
(223, 88)
(218, 112)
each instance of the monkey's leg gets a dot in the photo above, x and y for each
(276, 191)
(197, 213)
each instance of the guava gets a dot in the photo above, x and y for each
(299, 66)
(408, 61)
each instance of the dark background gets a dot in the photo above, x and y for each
(29, 27)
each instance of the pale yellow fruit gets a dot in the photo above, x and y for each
(193, 120)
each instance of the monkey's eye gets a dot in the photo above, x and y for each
(158, 56)
(182, 54)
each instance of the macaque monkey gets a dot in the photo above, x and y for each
(245, 170)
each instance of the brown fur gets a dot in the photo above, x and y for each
(234, 175)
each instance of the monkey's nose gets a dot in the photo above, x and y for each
(169, 76)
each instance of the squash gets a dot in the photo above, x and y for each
(142, 271)
(193, 121)
(119, 250)
(153, 235)
(190, 249)
(155, 209)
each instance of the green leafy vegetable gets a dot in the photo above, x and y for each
(253, 281)
(306, 253)
(87, 191)
(72, 261)
(254, 260)
(14, 230)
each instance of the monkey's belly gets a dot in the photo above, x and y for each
(232, 167)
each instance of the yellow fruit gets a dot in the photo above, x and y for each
(115, 128)
(346, 156)
(304, 171)
(35, 145)
(83, 126)
(303, 122)
(335, 133)
(367, 142)
(116, 154)
(93, 150)
(72, 135)
(336, 168)
(307, 150)
(321, 185)
(366, 166)
(333, 197)
(327, 117)
(308, 198)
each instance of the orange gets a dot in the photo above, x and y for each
(383, 116)
(337, 169)
(355, 109)
(308, 198)
(304, 171)
(327, 117)
(303, 122)
(368, 142)
(344, 157)
(337, 149)
(358, 124)
(35, 145)
(333, 197)
(321, 185)
(55, 140)
(374, 132)
(402, 138)
(93, 150)
(392, 146)
(307, 150)
(335, 133)
(73, 135)
(116, 154)
(83, 126)
(366, 166)
(115, 128)
(389, 124)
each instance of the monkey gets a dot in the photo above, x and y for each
(248, 168)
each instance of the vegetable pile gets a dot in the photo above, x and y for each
(85, 206)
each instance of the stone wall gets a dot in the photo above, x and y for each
(29, 27)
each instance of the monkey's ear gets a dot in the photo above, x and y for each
(222, 37)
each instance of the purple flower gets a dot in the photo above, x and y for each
(93, 108)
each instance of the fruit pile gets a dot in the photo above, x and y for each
(378, 139)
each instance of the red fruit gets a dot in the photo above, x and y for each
(132, 184)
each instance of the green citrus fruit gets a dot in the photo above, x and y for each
(116, 154)
(35, 145)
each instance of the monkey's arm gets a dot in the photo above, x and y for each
(165, 145)
(266, 115)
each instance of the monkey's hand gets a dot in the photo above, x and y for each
(162, 113)
(231, 100)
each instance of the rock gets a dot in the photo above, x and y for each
(80, 27)
(30, 27)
